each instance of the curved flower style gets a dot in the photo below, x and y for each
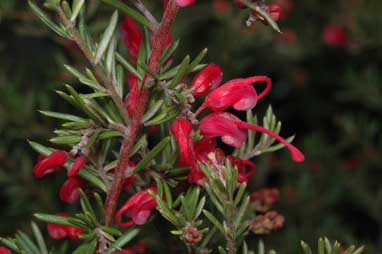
(238, 93)
(207, 79)
(4, 250)
(132, 36)
(76, 166)
(58, 231)
(234, 132)
(70, 190)
(50, 164)
(138, 208)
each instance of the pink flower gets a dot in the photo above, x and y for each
(264, 224)
(70, 190)
(58, 231)
(238, 93)
(132, 36)
(234, 132)
(207, 79)
(4, 250)
(185, 3)
(49, 164)
(138, 208)
(222, 124)
(76, 166)
(334, 35)
(132, 98)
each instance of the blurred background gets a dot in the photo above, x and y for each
(327, 88)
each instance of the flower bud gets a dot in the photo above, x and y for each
(334, 36)
(207, 79)
(265, 198)
(265, 224)
(49, 164)
(70, 190)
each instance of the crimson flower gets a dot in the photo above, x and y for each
(238, 93)
(334, 35)
(185, 3)
(49, 164)
(132, 36)
(70, 190)
(207, 79)
(59, 231)
(240, 5)
(234, 132)
(76, 166)
(4, 250)
(241, 166)
(274, 11)
(132, 98)
(138, 207)
(181, 129)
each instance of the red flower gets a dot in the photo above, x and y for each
(265, 198)
(238, 93)
(139, 248)
(138, 208)
(76, 166)
(49, 164)
(207, 79)
(70, 190)
(221, 6)
(234, 132)
(181, 129)
(132, 98)
(240, 5)
(334, 35)
(4, 250)
(222, 124)
(275, 11)
(58, 231)
(241, 166)
(185, 3)
(132, 36)
(287, 7)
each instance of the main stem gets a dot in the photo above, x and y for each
(159, 46)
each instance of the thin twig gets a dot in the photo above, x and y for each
(107, 82)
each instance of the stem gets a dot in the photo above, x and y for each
(160, 43)
(231, 246)
(107, 82)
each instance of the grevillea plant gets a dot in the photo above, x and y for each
(151, 138)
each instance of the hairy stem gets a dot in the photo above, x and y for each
(108, 82)
(159, 46)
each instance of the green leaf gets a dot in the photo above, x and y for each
(76, 8)
(214, 221)
(242, 210)
(63, 116)
(87, 248)
(124, 239)
(182, 71)
(129, 11)
(53, 219)
(10, 243)
(306, 248)
(85, 204)
(128, 66)
(39, 238)
(47, 20)
(41, 149)
(198, 59)
(66, 140)
(152, 110)
(100, 206)
(106, 37)
(152, 154)
(92, 179)
(26, 243)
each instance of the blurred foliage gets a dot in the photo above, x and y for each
(330, 97)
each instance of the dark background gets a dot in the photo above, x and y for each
(330, 96)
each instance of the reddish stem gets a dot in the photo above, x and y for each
(160, 39)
